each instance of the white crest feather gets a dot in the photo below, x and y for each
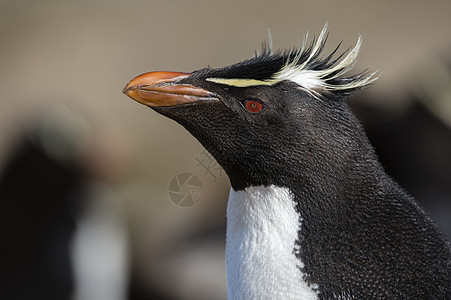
(270, 45)
(312, 81)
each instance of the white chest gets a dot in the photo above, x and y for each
(262, 227)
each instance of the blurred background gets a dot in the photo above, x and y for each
(85, 171)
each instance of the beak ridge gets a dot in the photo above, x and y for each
(163, 89)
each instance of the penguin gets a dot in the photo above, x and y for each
(311, 212)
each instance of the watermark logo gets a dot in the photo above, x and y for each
(206, 161)
(185, 190)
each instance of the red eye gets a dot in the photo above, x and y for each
(253, 105)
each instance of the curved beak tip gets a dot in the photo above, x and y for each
(125, 89)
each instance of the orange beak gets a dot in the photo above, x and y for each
(163, 89)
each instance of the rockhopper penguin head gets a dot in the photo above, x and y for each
(264, 117)
(312, 214)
